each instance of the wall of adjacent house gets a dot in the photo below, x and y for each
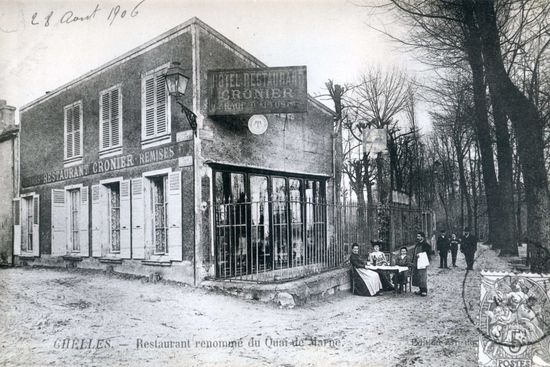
(7, 191)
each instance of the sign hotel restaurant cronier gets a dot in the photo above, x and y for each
(256, 91)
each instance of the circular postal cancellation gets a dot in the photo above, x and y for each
(257, 124)
(512, 316)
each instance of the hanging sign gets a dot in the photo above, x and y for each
(374, 141)
(257, 124)
(257, 91)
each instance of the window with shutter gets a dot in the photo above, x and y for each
(73, 131)
(155, 107)
(110, 124)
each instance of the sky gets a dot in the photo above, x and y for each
(333, 38)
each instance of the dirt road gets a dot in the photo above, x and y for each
(72, 318)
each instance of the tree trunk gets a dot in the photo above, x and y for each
(382, 195)
(528, 127)
(481, 125)
(464, 193)
(505, 177)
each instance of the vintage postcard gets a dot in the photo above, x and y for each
(274, 182)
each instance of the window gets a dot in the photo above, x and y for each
(74, 217)
(267, 221)
(73, 132)
(27, 224)
(160, 206)
(155, 126)
(110, 123)
(114, 217)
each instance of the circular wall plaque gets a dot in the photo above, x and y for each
(257, 124)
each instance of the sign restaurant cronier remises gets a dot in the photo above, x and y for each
(257, 91)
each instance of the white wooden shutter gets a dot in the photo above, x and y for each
(35, 225)
(68, 132)
(138, 219)
(77, 134)
(84, 222)
(115, 117)
(125, 245)
(174, 216)
(97, 218)
(59, 223)
(161, 115)
(17, 226)
(104, 134)
(149, 102)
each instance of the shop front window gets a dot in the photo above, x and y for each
(266, 222)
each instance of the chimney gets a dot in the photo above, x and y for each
(7, 115)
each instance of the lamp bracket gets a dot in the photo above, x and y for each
(191, 117)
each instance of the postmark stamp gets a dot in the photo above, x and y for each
(514, 319)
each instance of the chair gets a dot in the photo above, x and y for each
(409, 279)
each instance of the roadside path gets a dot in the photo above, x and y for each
(113, 320)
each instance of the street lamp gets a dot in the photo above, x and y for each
(176, 81)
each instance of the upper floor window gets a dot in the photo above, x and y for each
(155, 124)
(73, 131)
(110, 123)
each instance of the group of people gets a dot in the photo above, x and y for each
(369, 282)
(468, 246)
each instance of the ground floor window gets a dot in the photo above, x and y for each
(267, 221)
(27, 228)
(26, 225)
(74, 219)
(114, 216)
(159, 213)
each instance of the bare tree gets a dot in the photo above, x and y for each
(375, 102)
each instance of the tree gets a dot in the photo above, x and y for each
(374, 103)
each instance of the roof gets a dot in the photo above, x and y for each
(153, 43)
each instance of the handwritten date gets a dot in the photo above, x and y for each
(113, 14)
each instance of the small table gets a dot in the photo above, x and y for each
(388, 269)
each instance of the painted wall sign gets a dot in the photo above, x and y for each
(105, 165)
(257, 124)
(257, 91)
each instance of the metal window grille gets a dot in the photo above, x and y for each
(286, 238)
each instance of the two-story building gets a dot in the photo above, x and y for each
(112, 174)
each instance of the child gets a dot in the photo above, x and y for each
(402, 260)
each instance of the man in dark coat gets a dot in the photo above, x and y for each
(420, 276)
(443, 245)
(468, 246)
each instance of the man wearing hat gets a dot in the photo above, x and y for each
(468, 246)
(443, 245)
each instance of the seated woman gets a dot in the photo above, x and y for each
(400, 278)
(367, 282)
(377, 258)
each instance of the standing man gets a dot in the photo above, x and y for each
(454, 248)
(468, 246)
(420, 275)
(443, 244)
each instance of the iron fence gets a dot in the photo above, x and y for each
(272, 241)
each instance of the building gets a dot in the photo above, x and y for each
(9, 166)
(113, 176)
